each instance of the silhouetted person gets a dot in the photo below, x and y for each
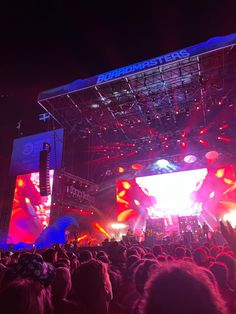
(182, 288)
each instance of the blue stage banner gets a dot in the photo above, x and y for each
(25, 153)
(207, 46)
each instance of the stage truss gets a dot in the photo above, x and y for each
(149, 110)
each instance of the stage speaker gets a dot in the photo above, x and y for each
(44, 170)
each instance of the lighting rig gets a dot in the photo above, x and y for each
(182, 107)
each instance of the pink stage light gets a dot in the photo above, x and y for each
(212, 155)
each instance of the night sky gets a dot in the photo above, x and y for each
(45, 44)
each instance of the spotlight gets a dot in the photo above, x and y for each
(162, 163)
(224, 126)
(224, 139)
(203, 142)
(212, 155)
(120, 169)
(183, 134)
(94, 106)
(189, 159)
(203, 130)
(137, 167)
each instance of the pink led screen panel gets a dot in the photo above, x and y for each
(30, 211)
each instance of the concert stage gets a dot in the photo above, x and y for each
(157, 138)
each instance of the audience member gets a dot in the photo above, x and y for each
(181, 288)
(122, 278)
(221, 274)
(200, 257)
(23, 296)
(61, 287)
(93, 287)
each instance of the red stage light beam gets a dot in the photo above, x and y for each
(101, 229)
(203, 130)
(223, 127)
(82, 238)
(184, 134)
(224, 139)
(137, 166)
(203, 142)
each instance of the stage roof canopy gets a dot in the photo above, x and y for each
(146, 104)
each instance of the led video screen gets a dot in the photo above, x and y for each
(181, 193)
(30, 211)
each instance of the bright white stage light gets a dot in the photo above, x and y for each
(162, 163)
(94, 106)
(118, 226)
(212, 194)
(190, 159)
(231, 217)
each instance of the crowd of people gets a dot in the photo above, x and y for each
(121, 278)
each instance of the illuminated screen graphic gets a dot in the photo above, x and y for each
(185, 193)
(173, 192)
(30, 211)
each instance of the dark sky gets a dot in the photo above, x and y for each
(45, 44)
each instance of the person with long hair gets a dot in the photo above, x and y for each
(181, 288)
(92, 287)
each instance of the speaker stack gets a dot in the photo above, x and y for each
(44, 170)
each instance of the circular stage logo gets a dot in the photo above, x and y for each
(28, 149)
